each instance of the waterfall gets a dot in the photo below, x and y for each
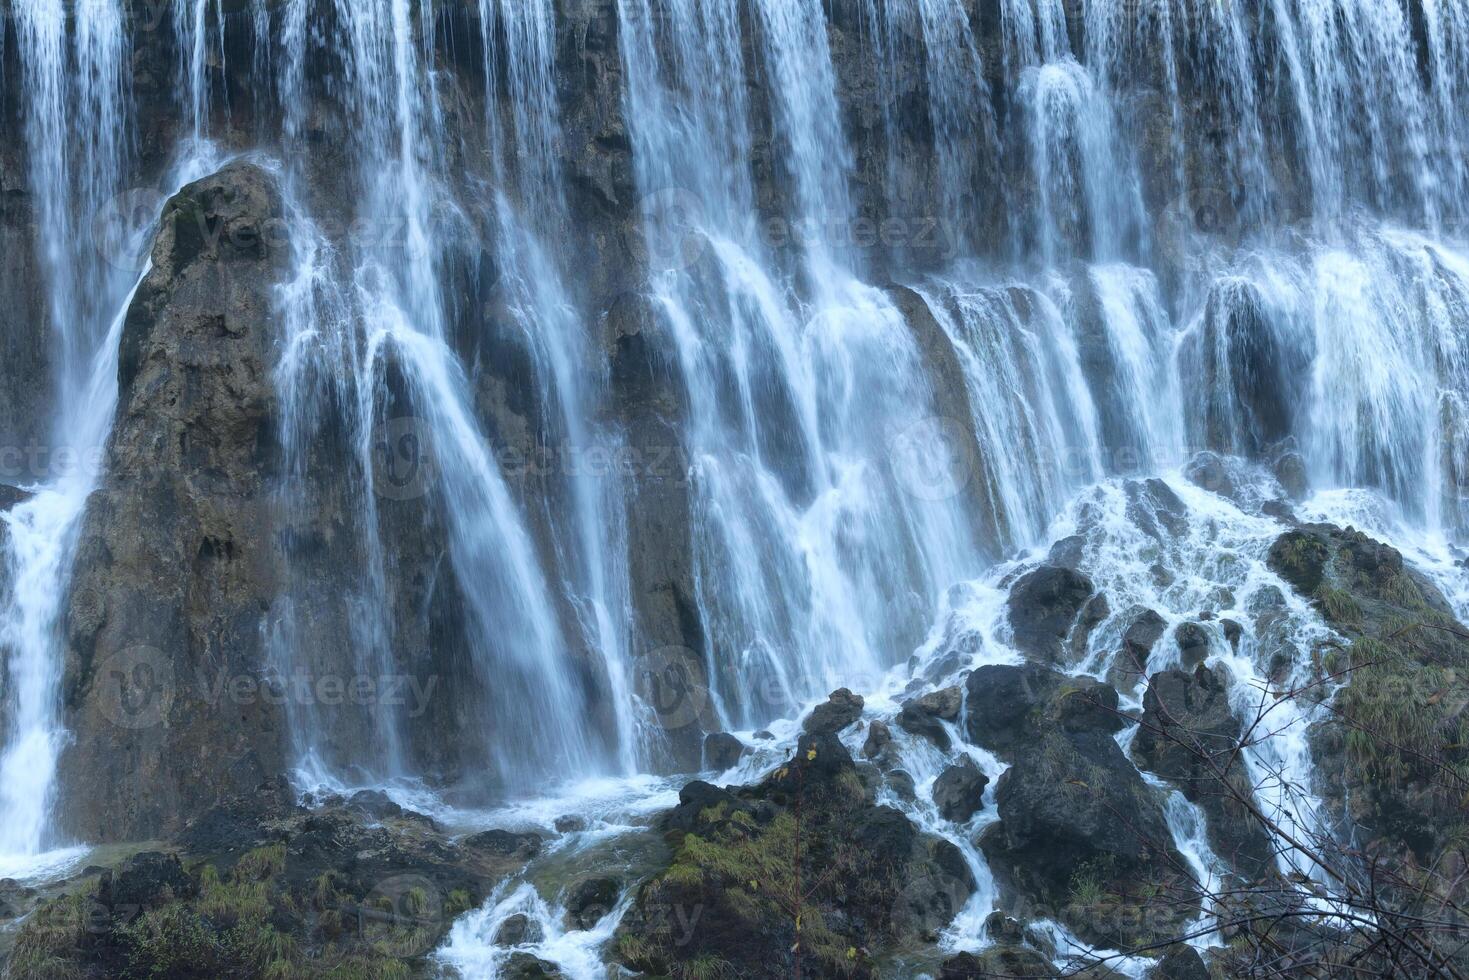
(76, 96)
(1153, 229)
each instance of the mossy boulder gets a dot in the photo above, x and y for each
(802, 867)
(1394, 754)
(327, 893)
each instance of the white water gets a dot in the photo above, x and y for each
(832, 534)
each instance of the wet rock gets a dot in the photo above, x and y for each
(570, 824)
(522, 845)
(924, 716)
(1209, 471)
(843, 708)
(1290, 472)
(1073, 808)
(1141, 636)
(1180, 962)
(900, 781)
(879, 737)
(999, 961)
(1193, 644)
(959, 792)
(1051, 613)
(882, 882)
(589, 900)
(1006, 702)
(377, 805)
(1084, 704)
(524, 966)
(518, 930)
(1233, 632)
(1068, 552)
(722, 751)
(1003, 929)
(10, 496)
(1189, 735)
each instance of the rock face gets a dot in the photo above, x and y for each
(1052, 613)
(925, 716)
(843, 708)
(175, 569)
(1396, 731)
(1189, 735)
(807, 843)
(1081, 836)
(959, 792)
(267, 888)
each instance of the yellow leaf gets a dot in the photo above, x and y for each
(811, 755)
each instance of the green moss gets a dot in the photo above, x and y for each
(1338, 605)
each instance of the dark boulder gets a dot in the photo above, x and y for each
(505, 843)
(879, 737)
(959, 792)
(1078, 826)
(524, 966)
(1004, 703)
(1006, 960)
(925, 716)
(1051, 614)
(518, 930)
(841, 709)
(1138, 641)
(589, 900)
(1189, 735)
(1193, 644)
(1180, 962)
(722, 751)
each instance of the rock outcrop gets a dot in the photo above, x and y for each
(805, 846)
(165, 630)
(1052, 613)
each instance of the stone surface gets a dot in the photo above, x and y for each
(176, 570)
(1046, 609)
(840, 710)
(959, 792)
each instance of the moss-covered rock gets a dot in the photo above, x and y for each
(1395, 753)
(328, 893)
(802, 868)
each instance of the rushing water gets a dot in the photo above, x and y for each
(1164, 226)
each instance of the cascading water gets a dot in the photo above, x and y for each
(876, 440)
(75, 132)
